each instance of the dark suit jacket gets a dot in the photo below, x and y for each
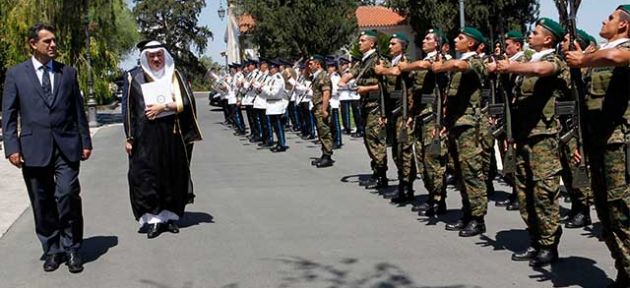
(42, 126)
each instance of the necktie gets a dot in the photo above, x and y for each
(46, 86)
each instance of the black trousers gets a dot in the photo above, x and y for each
(54, 194)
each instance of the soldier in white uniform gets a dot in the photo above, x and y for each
(247, 92)
(277, 102)
(303, 99)
(235, 109)
(260, 105)
(335, 127)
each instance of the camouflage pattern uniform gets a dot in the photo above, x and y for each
(432, 168)
(374, 137)
(537, 180)
(608, 129)
(402, 152)
(321, 83)
(463, 121)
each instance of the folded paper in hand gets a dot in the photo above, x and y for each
(158, 92)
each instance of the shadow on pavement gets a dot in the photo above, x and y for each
(195, 218)
(300, 272)
(95, 247)
(108, 118)
(594, 231)
(565, 273)
(152, 283)
(355, 178)
(511, 240)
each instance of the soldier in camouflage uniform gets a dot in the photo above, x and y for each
(513, 50)
(463, 121)
(432, 166)
(581, 197)
(397, 87)
(608, 131)
(368, 86)
(321, 97)
(543, 80)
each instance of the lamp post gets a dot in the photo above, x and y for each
(90, 83)
(221, 11)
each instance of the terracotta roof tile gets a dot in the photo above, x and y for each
(377, 16)
(245, 23)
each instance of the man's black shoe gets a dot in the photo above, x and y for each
(435, 209)
(457, 226)
(451, 180)
(172, 227)
(239, 133)
(279, 148)
(513, 206)
(155, 230)
(578, 220)
(381, 183)
(52, 262)
(315, 161)
(357, 135)
(503, 203)
(474, 227)
(74, 263)
(325, 161)
(526, 255)
(422, 207)
(544, 257)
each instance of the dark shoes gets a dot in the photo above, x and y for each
(578, 220)
(544, 257)
(503, 203)
(155, 230)
(369, 181)
(52, 262)
(72, 259)
(279, 148)
(513, 206)
(526, 255)
(434, 209)
(172, 227)
(74, 262)
(325, 161)
(474, 228)
(457, 226)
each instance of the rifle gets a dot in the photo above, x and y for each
(509, 159)
(580, 173)
(403, 135)
(435, 148)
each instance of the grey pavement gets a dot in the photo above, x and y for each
(272, 220)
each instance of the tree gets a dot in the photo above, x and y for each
(174, 23)
(112, 35)
(300, 28)
(491, 17)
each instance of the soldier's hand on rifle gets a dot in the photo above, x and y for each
(382, 121)
(380, 67)
(576, 158)
(409, 122)
(362, 90)
(325, 114)
(574, 58)
(491, 67)
(503, 66)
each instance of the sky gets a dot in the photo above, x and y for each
(590, 16)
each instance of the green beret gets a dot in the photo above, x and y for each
(319, 58)
(473, 33)
(584, 36)
(624, 8)
(439, 34)
(554, 27)
(515, 35)
(400, 36)
(370, 33)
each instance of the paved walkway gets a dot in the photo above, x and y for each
(271, 220)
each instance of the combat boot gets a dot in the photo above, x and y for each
(475, 227)
(580, 219)
(381, 180)
(438, 208)
(422, 207)
(545, 256)
(403, 196)
(325, 161)
(314, 162)
(457, 226)
(527, 254)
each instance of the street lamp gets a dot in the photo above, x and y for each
(221, 11)
(90, 82)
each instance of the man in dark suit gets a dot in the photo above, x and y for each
(53, 137)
